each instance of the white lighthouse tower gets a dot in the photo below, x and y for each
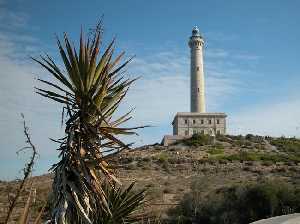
(197, 121)
(197, 75)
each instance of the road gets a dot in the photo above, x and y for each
(285, 219)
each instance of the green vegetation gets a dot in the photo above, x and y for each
(288, 145)
(122, 204)
(258, 156)
(223, 138)
(90, 87)
(239, 204)
(215, 151)
(198, 140)
(242, 141)
(235, 137)
(254, 138)
(161, 157)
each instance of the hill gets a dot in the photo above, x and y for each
(169, 172)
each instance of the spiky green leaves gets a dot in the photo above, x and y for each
(91, 88)
(91, 83)
(123, 203)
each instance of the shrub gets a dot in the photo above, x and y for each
(249, 156)
(130, 166)
(254, 138)
(273, 157)
(236, 137)
(233, 157)
(254, 156)
(161, 157)
(289, 145)
(167, 191)
(198, 140)
(215, 151)
(127, 160)
(146, 159)
(294, 158)
(174, 160)
(239, 204)
(154, 193)
(219, 145)
(267, 163)
(222, 161)
(223, 138)
(165, 166)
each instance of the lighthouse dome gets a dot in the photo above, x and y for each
(196, 32)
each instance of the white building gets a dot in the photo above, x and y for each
(186, 124)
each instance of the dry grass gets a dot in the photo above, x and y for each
(167, 173)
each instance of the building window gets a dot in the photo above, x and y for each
(185, 121)
(186, 132)
(197, 68)
(202, 132)
(194, 131)
(218, 132)
(202, 122)
(209, 121)
(194, 121)
(198, 90)
(218, 121)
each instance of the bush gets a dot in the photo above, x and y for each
(219, 145)
(198, 140)
(167, 191)
(215, 151)
(236, 137)
(127, 160)
(254, 156)
(223, 138)
(239, 204)
(165, 166)
(267, 163)
(241, 156)
(249, 156)
(289, 145)
(254, 138)
(146, 159)
(161, 157)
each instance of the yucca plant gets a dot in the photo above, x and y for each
(122, 204)
(91, 88)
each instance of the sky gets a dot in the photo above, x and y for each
(251, 65)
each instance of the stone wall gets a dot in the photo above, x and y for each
(186, 124)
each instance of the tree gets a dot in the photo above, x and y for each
(91, 88)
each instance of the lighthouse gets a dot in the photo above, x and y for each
(198, 120)
(197, 86)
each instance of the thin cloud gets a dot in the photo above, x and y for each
(12, 20)
(275, 118)
(217, 53)
(245, 56)
(164, 90)
(219, 36)
(18, 78)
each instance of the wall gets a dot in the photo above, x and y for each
(189, 125)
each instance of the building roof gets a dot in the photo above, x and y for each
(196, 32)
(196, 114)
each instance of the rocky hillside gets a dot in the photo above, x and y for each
(169, 172)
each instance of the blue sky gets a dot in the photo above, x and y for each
(251, 64)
